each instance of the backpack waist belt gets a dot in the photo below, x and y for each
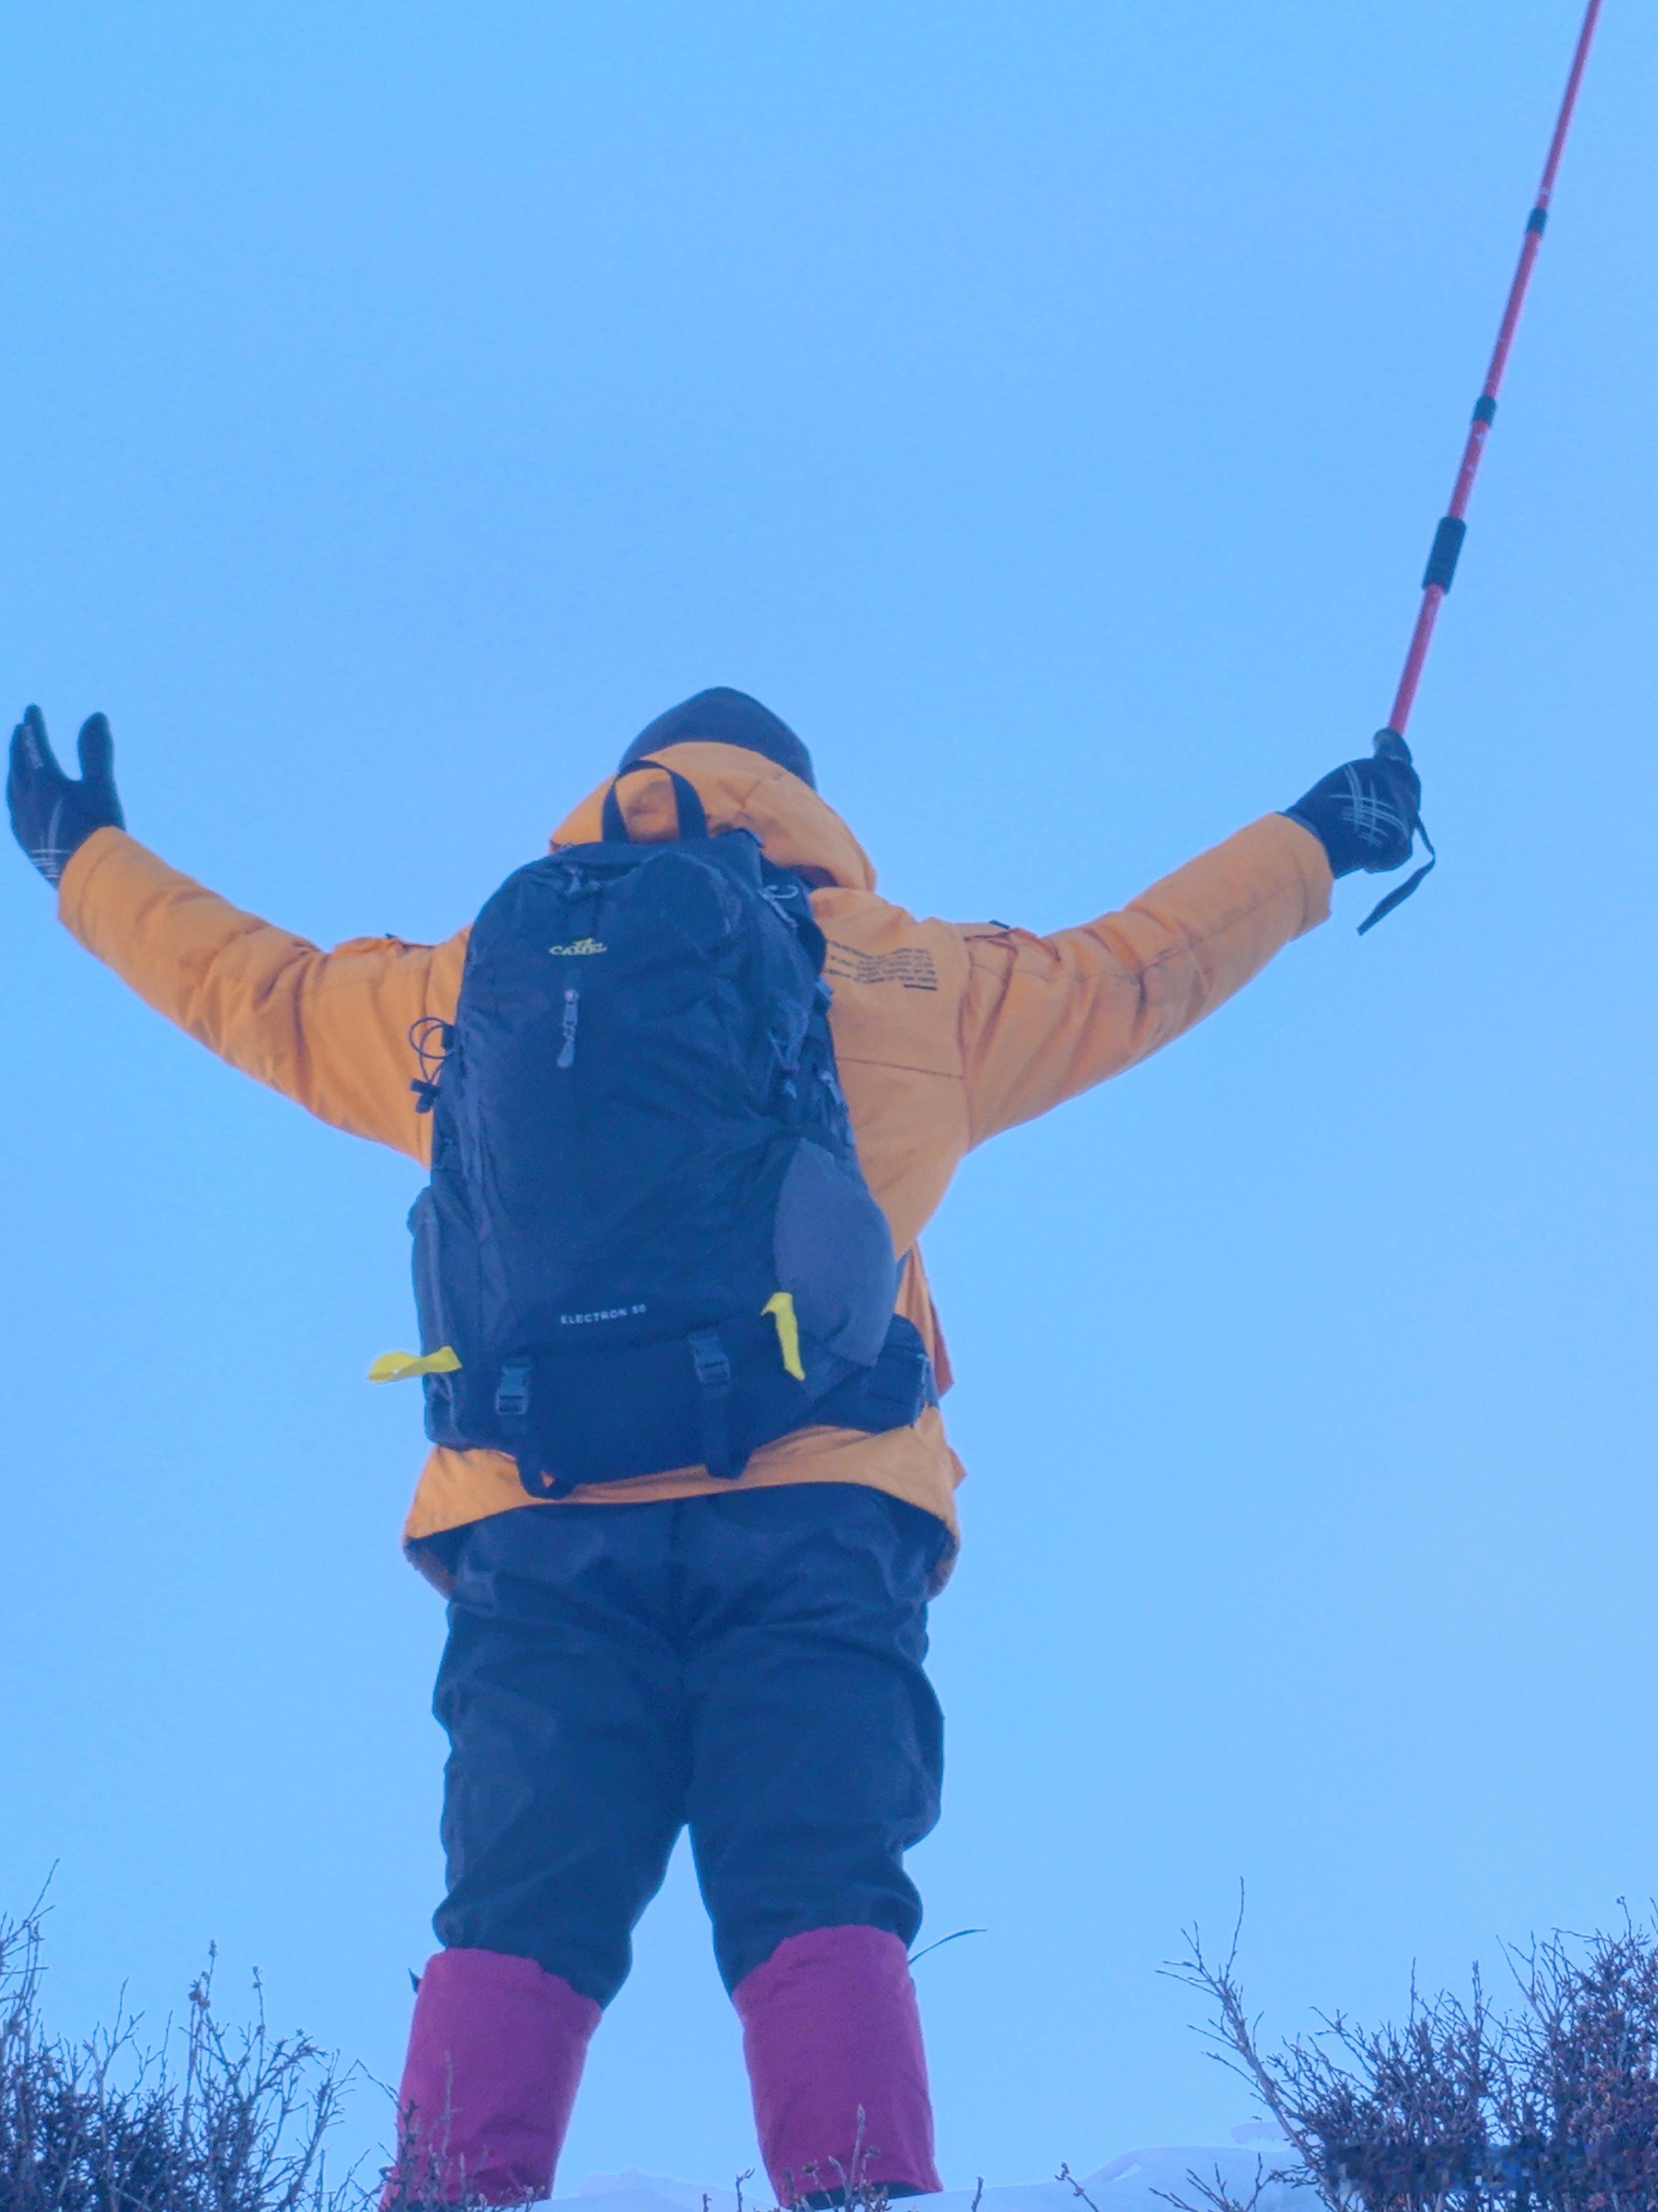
(710, 1400)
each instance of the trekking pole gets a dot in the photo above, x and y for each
(1454, 528)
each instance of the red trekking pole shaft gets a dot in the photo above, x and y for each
(1448, 539)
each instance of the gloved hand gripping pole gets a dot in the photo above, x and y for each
(1454, 527)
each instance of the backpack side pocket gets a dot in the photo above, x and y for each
(425, 1226)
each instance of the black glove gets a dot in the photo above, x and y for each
(1366, 813)
(52, 815)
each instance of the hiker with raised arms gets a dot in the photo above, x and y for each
(690, 1091)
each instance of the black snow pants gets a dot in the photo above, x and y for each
(749, 1664)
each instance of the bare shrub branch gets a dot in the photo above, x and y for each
(105, 2125)
(1554, 2108)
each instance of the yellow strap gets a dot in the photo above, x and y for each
(399, 1366)
(781, 1309)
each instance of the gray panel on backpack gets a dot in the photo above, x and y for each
(834, 1254)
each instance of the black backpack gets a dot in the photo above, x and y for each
(646, 1239)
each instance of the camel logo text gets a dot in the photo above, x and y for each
(583, 945)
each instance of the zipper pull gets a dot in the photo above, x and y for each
(572, 1012)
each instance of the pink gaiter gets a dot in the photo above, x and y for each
(496, 2055)
(830, 2027)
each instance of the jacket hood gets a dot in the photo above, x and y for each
(739, 790)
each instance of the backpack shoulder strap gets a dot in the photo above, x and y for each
(693, 818)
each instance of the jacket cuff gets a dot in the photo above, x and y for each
(83, 864)
(1306, 853)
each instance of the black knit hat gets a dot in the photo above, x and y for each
(725, 717)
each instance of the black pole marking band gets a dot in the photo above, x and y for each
(1442, 560)
(1537, 220)
(1484, 408)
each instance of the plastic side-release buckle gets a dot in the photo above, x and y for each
(712, 1367)
(513, 1396)
(512, 1391)
(902, 1377)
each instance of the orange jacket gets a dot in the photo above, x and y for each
(944, 1036)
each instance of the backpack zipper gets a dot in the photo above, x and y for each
(572, 1014)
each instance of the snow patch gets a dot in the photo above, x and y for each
(1128, 2183)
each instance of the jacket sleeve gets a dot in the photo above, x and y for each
(1046, 1017)
(328, 1029)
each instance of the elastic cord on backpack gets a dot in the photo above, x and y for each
(431, 1056)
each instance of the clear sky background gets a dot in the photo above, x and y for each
(1045, 405)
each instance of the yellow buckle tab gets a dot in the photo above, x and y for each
(399, 1366)
(781, 1309)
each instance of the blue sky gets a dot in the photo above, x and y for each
(1045, 408)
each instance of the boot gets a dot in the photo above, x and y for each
(830, 2029)
(495, 2054)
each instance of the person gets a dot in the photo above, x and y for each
(678, 1648)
